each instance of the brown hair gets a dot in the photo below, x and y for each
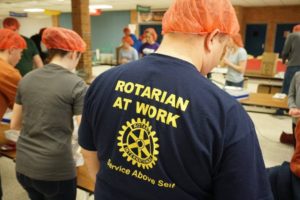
(57, 52)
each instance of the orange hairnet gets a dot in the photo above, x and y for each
(296, 28)
(62, 38)
(126, 30)
(152, 32)
(11, 23)
(200, 17)
(10, 39)
(128, 40)
(237, 39)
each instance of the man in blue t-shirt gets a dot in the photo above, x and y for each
(156, 128)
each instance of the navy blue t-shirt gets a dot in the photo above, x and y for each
(163, 131)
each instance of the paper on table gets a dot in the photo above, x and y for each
(279, 96)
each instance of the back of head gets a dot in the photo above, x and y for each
(296, 28)
(10, 39)
(11, 23)
(126, 31)
(63, 39)
(200, 17)
(128, 40)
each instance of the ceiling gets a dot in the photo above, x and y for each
(65, 5)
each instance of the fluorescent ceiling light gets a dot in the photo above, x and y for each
(34, 10)
(93, 7)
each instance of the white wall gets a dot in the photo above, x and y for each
(31, 26)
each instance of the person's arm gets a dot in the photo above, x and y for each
(286, 49)
(78, 119)
(242, 61)
(294, 111)
(92, 163)
(240, 67)
(37, 61)
(16, 120)
(292, 94)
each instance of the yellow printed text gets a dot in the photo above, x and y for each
(153, 94)
(122, 103)
(161, 183)
(157, 113)
(141, 176)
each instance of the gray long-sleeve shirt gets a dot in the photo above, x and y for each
(294, 93)
(291, 49)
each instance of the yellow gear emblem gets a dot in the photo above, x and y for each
(138, 143)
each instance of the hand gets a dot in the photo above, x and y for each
(294, 112)
(124, 60)
(227, 62)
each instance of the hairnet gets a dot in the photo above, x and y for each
(10, 39)
(152, 32)
(64, 39)
(296, 28)
(126, 30)
(11, 23)
(237, 39)
(128, 40)
(200, 17)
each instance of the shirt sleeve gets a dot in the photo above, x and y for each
(287, 47)
(9, 80)
(292, 94)
(135, 54)
(78, 96)
(241, 172)
(85, 133)
(243, 55)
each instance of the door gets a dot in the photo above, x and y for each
(157, 28)
(255, 39)
(281, 33)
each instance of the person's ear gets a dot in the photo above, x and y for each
(210, 39)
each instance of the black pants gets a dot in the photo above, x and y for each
(238, 84)
(48, 190)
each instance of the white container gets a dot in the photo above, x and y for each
(12, 135)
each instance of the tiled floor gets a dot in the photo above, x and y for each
(268, 129)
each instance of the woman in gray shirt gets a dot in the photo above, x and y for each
(46, 101)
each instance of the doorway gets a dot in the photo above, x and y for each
(255, 39)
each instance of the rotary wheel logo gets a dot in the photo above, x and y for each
(137, 143)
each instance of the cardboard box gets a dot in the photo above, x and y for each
(269, 63)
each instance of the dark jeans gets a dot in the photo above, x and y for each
(48, 190)
(238, 84)
(290, 72)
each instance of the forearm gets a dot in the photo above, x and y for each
(16, 120)
(92, 163)
(38, 61)
(238, 68)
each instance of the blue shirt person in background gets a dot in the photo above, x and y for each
(156, 128)
(136, 42)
